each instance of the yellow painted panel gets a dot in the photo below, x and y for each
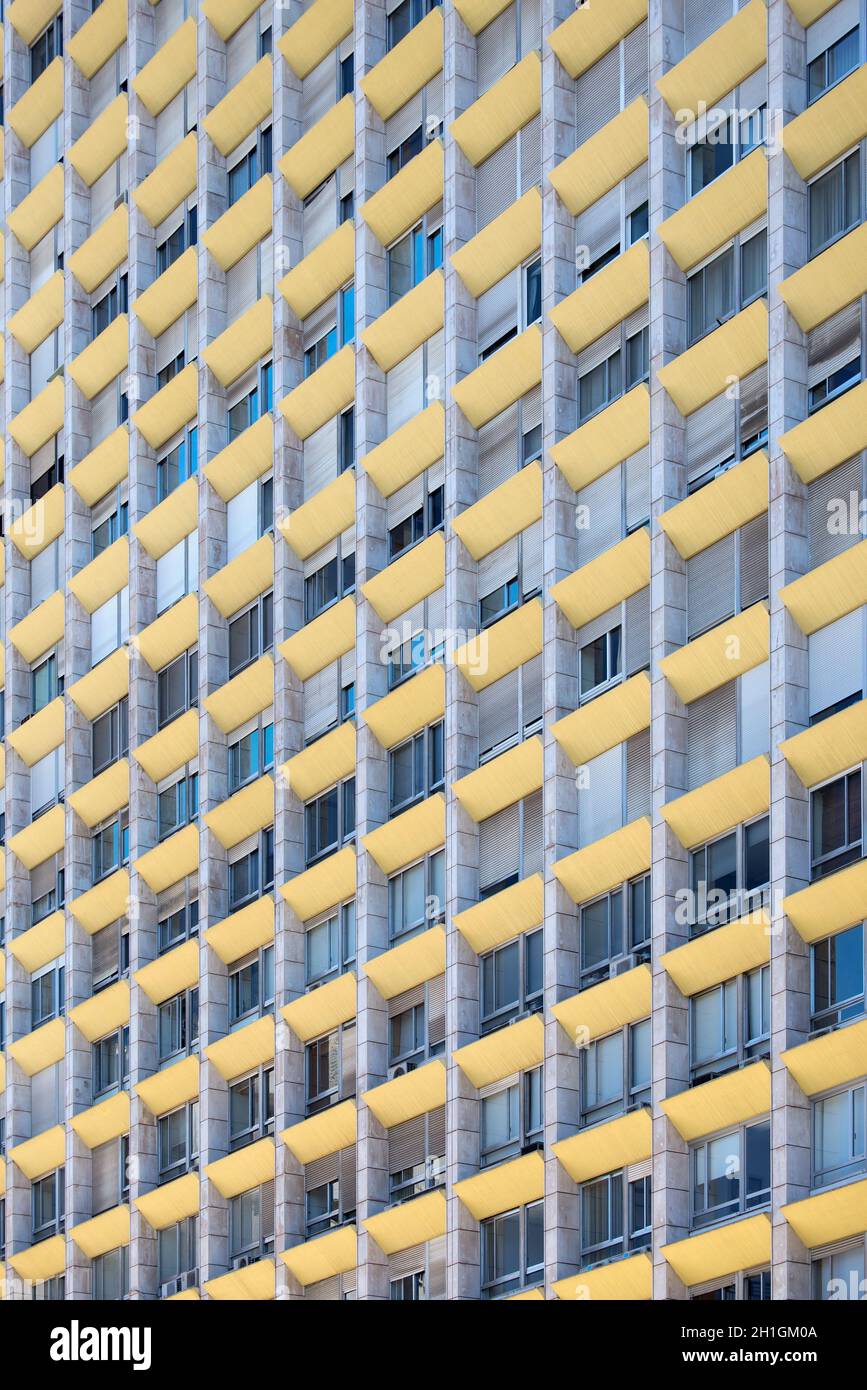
(246, 339)
(37, 736)
(40, 524)
(243, 108)
(503, 244)
(40, 839)
(409, 1223)
(414, 318)
(606, 721)
(704, 371)
(510, 1184)
(408, 451)
(629, 1280)
(720, 63)
(171, 1087)
(726, 1249)
(172, 633)
(328, 513)
(478, 14)
(502, 513)
(733, 201)
(98, 38)
(105, 250)
(244, 578)
(172, 180)
(829, 747)
(175, 291)
(101, 797)
(102, 1122)
(40, 315)
(323, 25)
(611, 295)
(103, 468)
(507, 106)
(607, 862)
(227, 16)
(244, 1049)
(318, 153)
(326, 1133)
(502, 781)
(40, 105)
(607, 1146)
(321, 273)
(169, 974)
(829, 1061)
(612, 577)
(718, 656)
(501, 379)
(322, 1010)
(323, 886)
(408, 708)
(244, 696)
(719, 955)
(407, 1096)
(165, 525)
(322, 763)
(244, 225)
(244, 931)
(831, 436)
(102, 1233)
(255, 1282)
(421, 958)
(504, 915)
(830, 591)
(172, 1202)
(606, 1007)
(408, 836)
(103, 359)
(322, 395)
(408, 580)
(40, 1049)
(323, 1257)
(246, 1168)
(593, 30)
(830, 904)
(172, 860)
(40, 944)
(44, 1260)
(40, 1155)
(38, 212)
(808, 11)
(244, 460)
(405, 69)
(29, 17)
(103, 686)
(169, 70)
(104, 903)
(40, 629)
(40, 420)
(504, 1052)
(829, 282)
(731, 500)
(103, 577)
(103, 1012)
(502, 647)
(725, 1101)
(604, 160)
(398, 205)
(718, 805)
(249, 810)
(102, 143)
(829, 127)
(830, 1216)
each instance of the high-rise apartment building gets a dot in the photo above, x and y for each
(434, 651)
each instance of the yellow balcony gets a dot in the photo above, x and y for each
(322, 395)
(604, 160)
(244, 460)
(320, 274)
(242, 579)
(478, 14)
(718, 805)
(172, 633)
(165, 525)
(322, 150)
(323, 763)
(414, 318)
(103, 686)
(41, 629)
(246, 1168)
(407, 67)
(36, 737)
(326, 1133)
(829, 282)
(243, 226)
(40, 105)
(704, 371)
(733, 201)
(507, 106)
(103, 1012)
(503, 915)
(251, 809)
(40, 944)
(610, 719)
(171, 1087)
(629, 1280)
(830, 1216)
(605, 300)
(503, 1053)
(104, 903)
(239, 346)
(398, 205)
(718, 656)
(227, 16)
(323, 1257)
(501, 379)
(42, 313)
(172, 860)
(103, 577)
(742, 1244)
(103, 359)
(243, 1050)
(99, 37)
(830, 904)
(171, 181)
(830, 591)
(244, 696)
(44, 1260)
(616, 575)
(408, 451)
(327, 515)
(829, 127)
(829, 747)
(29, 17)
(101, 797)
(242, 109)
(830, 1061)
(103, 468)
(605, 1147)
(168, 297)
(510, 1184)
(39, 1049)
(40, 524)
(502, 781)
(254, 1283)
(244, 931)
(604, 1008)
(719, 508)
(102, 143)
(592, 31)
(408, 708)
(35, 1157)
(323, 1009)
(102, 1233)
(421, 958)
(728, 1100)
(502, 514)
(807, 12)
(501, 246)
(409, 1223)
(720, 954)
(103, 1122)
(39, 211)
(829, 437)
(169, 974)
(719, 64)
(323, 886)
(171, 1203)
(607, 862)
(407, 1096)
(102, 252)
(321, 27)
(503, 647)
(405, 582)
(169, 70)
(40, 839)
(40, 420)
(408, 836)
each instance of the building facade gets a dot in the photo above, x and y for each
(434, 653)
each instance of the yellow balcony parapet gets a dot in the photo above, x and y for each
(103, 1012)
(409, 1223)
(726, 801)
(323, 886)
(170, 861)
(170, 1203)
(829, 747)
(613, 576)
(99, 37)
(628, 1280)
(171, 181)
(103, 251)
(165, 525)
(829, 1061)
(318, 153)
(728, 1100)
(504, 915)
(829, 282)
(243, 1169)
(604, 160)
(40, 419)
(103, 142)
(244, 1049)
(828, 127)
(478, 14)
(244, 931)
(102, 904)
(408, 708)
(244, 578)
(242, 109)
(322, 272)
(317, 644)
(326, 1133)
(831, 436)
(249, 810)
(503, 244)
(103, 686)
(244, 696)
(103, 577)
(171, 1087)
(39, 210)
(104, 467)
(40, 105)
(323, 1257)
(175, 291)
(45, 1260)
(502, 781)
(408, 836)
(726, 651)
(414, 318)
(40, 315)
(246, 339)
(605, 1147)
(733, 201)
(322, 395)
(503, 109)
(36, 737)
(42, 627)
(405, 69)
(502, 378)
(29, 17)
(735, 349)
(407, 1096)
(611, 295)
(322, 763)
(329, 513)
(42, 838)
(253, 1283)
(39, 1049)
(408, 580)
(40, 944)
(227, 16)
(322, 1010)
(103, 795)
(719, 508)
(170, 634)
(397, 206)
(413, 962)
(321, 27)
(169, 974)
(244, 225)
(606, 721)
(501, 648)
(408, 451)
(830, 591)
(606, 1007)
(100, 1123)
(742, 1244)
(244, 460)
(509, 1184)
(720, 63)
(592, 31)
(169, 70)
(807, 12)
(612, 860)
(830, 904)
(103, 359)
(718, 955)
(505, 1052)
(829, 1216)
(502, 513)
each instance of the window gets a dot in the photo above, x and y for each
(406, 16)
(47, 1200)
(251, 634)
(111, 1275)
(322, 1208)
(171, 370)
(615, 1073)
(250, 169)
(412, 259)
(727, 284)
(835, 203)
(415, 768)
(178, 1025)
(179, 926)
(333, 581)
(730, 1024)
(46, 889)
(605, 938)
(837, 978)
(616, 1217)
(109, 530)
(177, 687)
(710, 157)
(329, 1066)
(178, 1141)
(343, 332)
(251, 756)
(346, 440)
(177, 1255)
(409, 1288)
(110, 1059)
(513, 1250)
(833, 65)
(407, 1038)
(511, 980)
(725, 873)
(747, 1288)
(603, 383)
(599, 662)
(398, 158)
(111, 846)
(46, 995)
(512, 1117)
(329, 945)
(835, 824)
(252, 874)
(179, 465)
(251, 1108)
(251, 987)
(47, 480)
(106, 310)
(346, 79)
(416, 896)
(840, 1275)
(47, 47)
(838, 1136)
(532, 293)
(731, 1173)
(45, 684)
(177, 805)
(251, 407)
(419, 524)
(177, 242)
(638, 223)
(329, 821)
(110, 734)
(251, 1224)
(110, 954)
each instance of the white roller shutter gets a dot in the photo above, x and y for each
(834, 343)
(710, 586)
(171, 576)
(321, 701)
(320, 459)
(499, 847)
(496, 183)
(597, 95)
(712, 735)
(600, 506)
(600, 796)
(635, 64)
(702, 17)
(498, 714)
(533, 848)
(498, 567)
(754, 694)
(497, 310)
(753, 560)
(241, 285)
(320, 215)
(404, 390)
(401, 125)
(498, 450)
(836, 662)
(709, 437)
(636, 620)
(531, 154)
(46, 1099)
(828, 537)
(319, 91)
(637, 486)
(531, 559)
(638, 776)
(599, 227)
(243, 519)
(495, 49)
